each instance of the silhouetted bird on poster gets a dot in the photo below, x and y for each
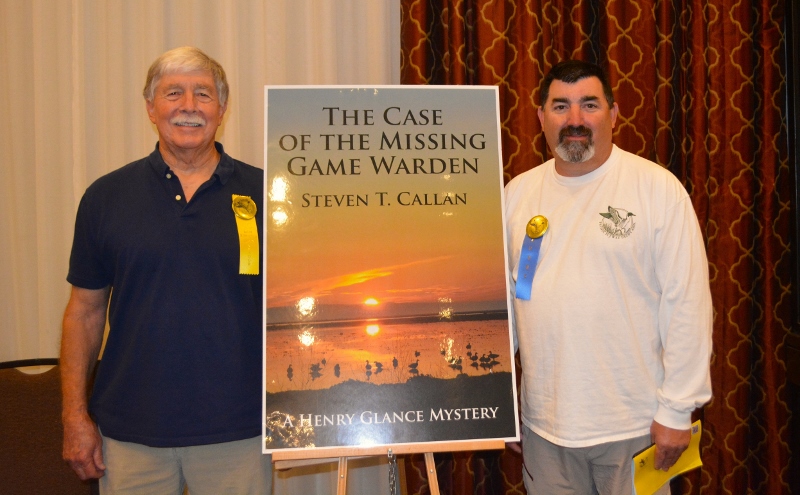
(368, 368)
(316, 371)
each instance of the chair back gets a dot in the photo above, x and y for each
(31, 434)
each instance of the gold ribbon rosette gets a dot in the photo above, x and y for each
(244, 209)
(536, 227)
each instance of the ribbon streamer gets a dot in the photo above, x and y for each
(528, 259)
(244, 209)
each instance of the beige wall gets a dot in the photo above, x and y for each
(71, 110)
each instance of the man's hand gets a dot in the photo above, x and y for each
(670, 444)
(83, 448)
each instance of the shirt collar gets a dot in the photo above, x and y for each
(223, 171)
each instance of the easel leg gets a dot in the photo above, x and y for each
(341, 487)
(433, 480)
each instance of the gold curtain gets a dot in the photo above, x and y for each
(701, 91)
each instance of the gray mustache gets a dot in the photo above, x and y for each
(188, 120)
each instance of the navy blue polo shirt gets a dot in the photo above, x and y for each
(182, 364)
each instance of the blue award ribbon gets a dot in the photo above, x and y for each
(529, 256)
(528, 259)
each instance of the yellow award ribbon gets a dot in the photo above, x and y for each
(244, 209)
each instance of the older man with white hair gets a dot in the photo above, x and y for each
(167, 248)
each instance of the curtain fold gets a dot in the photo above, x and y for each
(473, 473)
(701, 92)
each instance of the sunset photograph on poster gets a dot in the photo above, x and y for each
(386, 300)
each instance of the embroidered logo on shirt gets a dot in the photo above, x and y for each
(617, 223)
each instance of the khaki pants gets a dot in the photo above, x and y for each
(225, 468)
(603, 469)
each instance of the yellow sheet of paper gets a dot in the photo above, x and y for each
(647, 479)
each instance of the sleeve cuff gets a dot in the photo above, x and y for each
(670, 418)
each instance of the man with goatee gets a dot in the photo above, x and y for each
(612, 305)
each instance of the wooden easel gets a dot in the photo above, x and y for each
(297, 458)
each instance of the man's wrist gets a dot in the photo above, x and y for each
(75, 416)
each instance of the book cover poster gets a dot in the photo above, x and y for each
(386, 304)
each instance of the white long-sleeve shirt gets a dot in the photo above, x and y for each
(617, 332)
